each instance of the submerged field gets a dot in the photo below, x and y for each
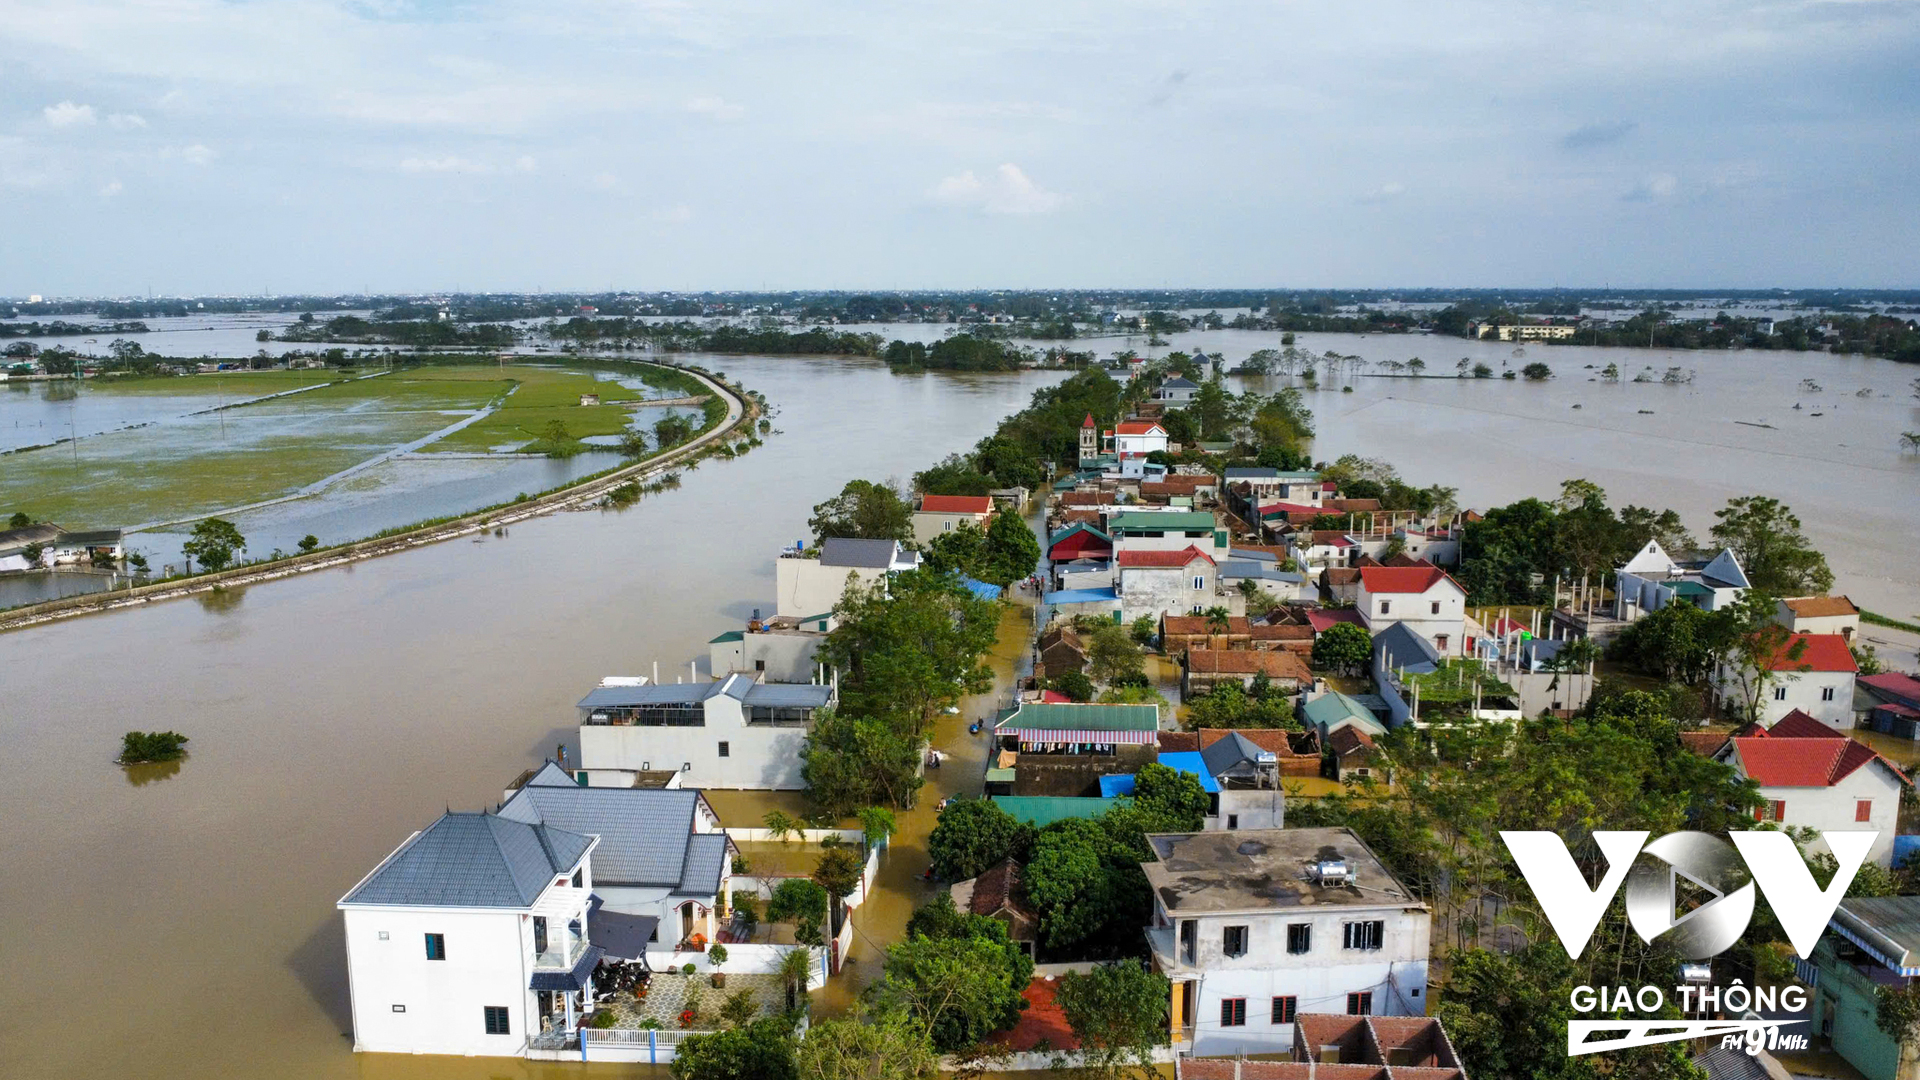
(183, 464)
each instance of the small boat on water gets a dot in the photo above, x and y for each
(1646, 412)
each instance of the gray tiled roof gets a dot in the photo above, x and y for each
(1252, 472)
(1399, 647)
(1230, 752)
(1234, 569)
(706, 857)
(872, 554)
(473, 860)
(643, 832)
(551, 775)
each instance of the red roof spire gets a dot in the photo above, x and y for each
(1089, 422)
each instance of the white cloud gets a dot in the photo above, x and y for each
(126, 120)
(1389, 190)
(197, 154)
(1655, 186)
(678, 214)
(67, 114)
(717, 108)
(1007, 190)
(110, 189)
(448, 164)
(525, 163)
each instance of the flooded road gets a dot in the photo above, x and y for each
(185, 922)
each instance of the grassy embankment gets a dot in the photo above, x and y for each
(262, 451)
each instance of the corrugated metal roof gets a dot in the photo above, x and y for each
(1150, 521)
(653, 694)
(796, 695)
(1049, 716)
(1043, 810)
(473, 860)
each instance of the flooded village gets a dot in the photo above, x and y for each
(1213, 656)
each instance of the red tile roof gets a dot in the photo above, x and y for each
(1041, 1021)
(1275, 665)
(1138, 427)
(1088, 422)
(1272, 740)
(1794, 762)
(1331, 538)
(1175, 559)
(1798, 725)
(1814, 607)
(1187, 625)
(1895, 683)
(957, 504)
(1348, 740)
(997, 887)
(1323, 618)
(1704, 743)
(1823, 652)
(1402, 579)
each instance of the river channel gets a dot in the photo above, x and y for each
(181, 923)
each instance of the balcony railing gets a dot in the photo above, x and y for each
(562, 953)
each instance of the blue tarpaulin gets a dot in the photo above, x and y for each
(1188, 761)
(981, 589)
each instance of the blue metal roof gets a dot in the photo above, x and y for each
(1083, 596)
(799, 695)
(1190, 761)
(574, 979)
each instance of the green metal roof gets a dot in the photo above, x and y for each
(999, 776)
(1041, 811)
(1332, 707)
(1059, 716)
(1078, 526)
(731, 635)
(1691, 588)
(1150, 522)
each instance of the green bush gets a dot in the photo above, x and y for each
(138, 746)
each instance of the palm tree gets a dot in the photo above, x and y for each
(796, 968)
(1219, 619)
(780, 825)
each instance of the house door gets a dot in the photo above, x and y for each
(687, 928)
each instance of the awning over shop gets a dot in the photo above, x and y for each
(623, 935)
(575, 979)
(1094, 736)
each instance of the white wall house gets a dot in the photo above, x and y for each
(781, 649)
(1256, 926)
(944, 513)
(452, 937)
(807, 586)
(1133, 440)
(1422, 598)
(1134, 529)
(1156, 583)
(732, 732)
(1819, 615)
(1816, 778)
(1277, 485)
(1177, 390)
(1652, 579)
(1813, 673)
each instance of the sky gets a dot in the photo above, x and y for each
(202, 146)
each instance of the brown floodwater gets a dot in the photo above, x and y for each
(180, 923)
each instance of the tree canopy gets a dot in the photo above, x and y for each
(1765, 536)
(863, 510)
(974, 834)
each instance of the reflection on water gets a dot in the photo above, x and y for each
(221, 599)
(152, 772)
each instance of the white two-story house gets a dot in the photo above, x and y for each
(1255, 926)
(1813, 673)
(1814, 777)
(939, 514)
(470, 938)
(1133, 440)
(1156, 583)
(1652, 579)
(1422, 598)
(483, 931)
(733, 732)
(811, 581)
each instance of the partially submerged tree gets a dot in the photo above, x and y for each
(864, 510)
(214, 543)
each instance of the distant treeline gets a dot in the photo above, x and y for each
(417, 335)
(961, 352)
(59, 328)
(686, 336)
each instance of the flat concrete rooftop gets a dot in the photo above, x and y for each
(1255, 870)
